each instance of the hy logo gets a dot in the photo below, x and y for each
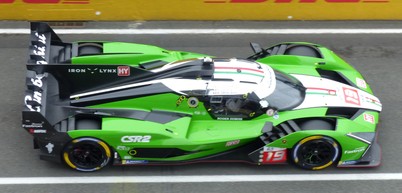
(123, 71)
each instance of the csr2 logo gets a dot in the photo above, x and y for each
(46, 1)
(136, 139)
(299, 1)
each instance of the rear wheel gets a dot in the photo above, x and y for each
(315, 152)
(87, 154)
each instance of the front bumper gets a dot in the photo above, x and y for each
(371, 158)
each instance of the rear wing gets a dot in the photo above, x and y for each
(45, 45)
(42, 37)
(49, 54)
(52, 78)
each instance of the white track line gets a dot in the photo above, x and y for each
(200, 179)
(211, 31)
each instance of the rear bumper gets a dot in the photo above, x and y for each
(51, 147)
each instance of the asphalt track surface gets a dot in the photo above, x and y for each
(377, 57)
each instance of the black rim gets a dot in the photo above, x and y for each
(316, 153)
(87, 156)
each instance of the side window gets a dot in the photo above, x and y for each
(232, 108)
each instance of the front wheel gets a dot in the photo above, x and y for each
(315, 152)
(87, 154)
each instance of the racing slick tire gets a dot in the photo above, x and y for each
(87, 154)
(315, 153)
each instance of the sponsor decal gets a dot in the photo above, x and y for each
(107, 71)
(223, 91)
(40, 50)
(351, 96)
(41, 62)
(352, 162)
(231, 143)
(133, 162)
(361, 83)
(270, 112)
(229, 118)
(41, 38)
(123, 71)
(36, 131)
(192, 102)
(37, 81)
(356, 150)
(127, 157)
(93, 70)
(273, 113)
(238, 70)
(119, 70)
(36, 97)
(180, 100)
(296, 1)
(372, 100)
(200, 113)
(273, 155)
(123, 148)
(321, 91)
(276, 115)
(50, 147)
(33, 125)
(77, 70)
(369, 118)
(136, 139)
(46, 1)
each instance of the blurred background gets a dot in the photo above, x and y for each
(129, 10)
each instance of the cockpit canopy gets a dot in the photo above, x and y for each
(241, 89)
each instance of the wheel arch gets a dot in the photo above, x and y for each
(296, 129)
(292, 157)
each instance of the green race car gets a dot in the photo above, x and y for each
(90, 104)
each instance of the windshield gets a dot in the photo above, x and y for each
(289, 92)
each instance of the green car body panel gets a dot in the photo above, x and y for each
(133, 54)
(174, 127)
